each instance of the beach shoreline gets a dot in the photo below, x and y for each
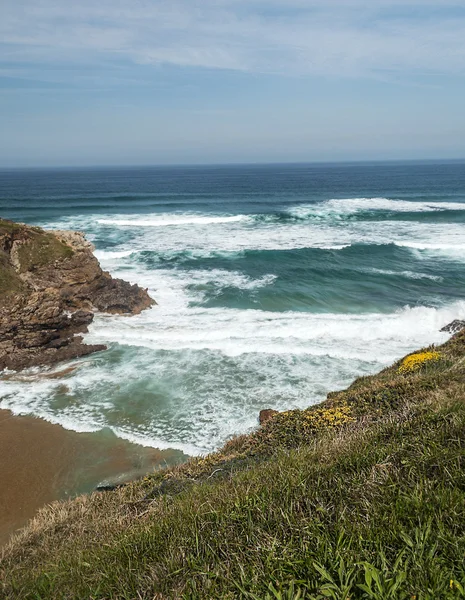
(43, 462)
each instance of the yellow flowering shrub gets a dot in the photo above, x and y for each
(315, 418)
(289, 429)
(415, 361)
(328, 417)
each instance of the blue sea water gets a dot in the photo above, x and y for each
(275, 284)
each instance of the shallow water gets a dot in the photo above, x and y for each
(41, 463)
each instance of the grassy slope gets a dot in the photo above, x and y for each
(40, 248)
(361, 497)
(10, 283)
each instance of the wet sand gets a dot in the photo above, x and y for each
(41, 462)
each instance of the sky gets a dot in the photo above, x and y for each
(140, 82)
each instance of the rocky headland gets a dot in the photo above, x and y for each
(51, 285)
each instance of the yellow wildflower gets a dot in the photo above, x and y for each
(328, 417)
(415, 361)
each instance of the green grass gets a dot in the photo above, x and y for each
(9, 226)
(362, 497)
(10, 282)
(42, 249)
(38, 247)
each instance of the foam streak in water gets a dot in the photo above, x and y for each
(166, 220)
(345, 206)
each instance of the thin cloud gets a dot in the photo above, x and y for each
(332, 38)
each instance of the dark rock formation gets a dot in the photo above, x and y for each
(50, 286)
(454, 327)
(266, 414)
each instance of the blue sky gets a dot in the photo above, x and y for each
(187, 81)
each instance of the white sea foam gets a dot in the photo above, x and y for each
(408, 274)
(38, 395)
(217, 367)
(225, 279)
(173, 219)
(184, 376)
(422, 249)
(235, 238)
(428, 246)
(108, 255)
(234, 332)
(234, 234)
(344, 206)
(387, 204)
(174, 324)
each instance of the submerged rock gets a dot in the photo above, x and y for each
(50, 286)
(454, 327)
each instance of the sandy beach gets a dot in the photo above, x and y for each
(41, 462)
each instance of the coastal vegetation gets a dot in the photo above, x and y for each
(415, 361)
(10, 283)
(42, 248)
(360, 497)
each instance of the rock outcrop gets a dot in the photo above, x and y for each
(266, 414)
(454, 327)
(50, 286)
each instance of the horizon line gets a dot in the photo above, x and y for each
(233, 164)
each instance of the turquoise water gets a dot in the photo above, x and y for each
(275, 284)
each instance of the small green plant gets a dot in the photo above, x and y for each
(339, 586)
(379, 585)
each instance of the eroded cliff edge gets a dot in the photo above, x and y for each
(51, 285)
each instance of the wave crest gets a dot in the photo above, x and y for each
(172, 220)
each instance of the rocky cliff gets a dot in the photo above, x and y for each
(50, 286)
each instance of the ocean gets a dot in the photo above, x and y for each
(275, 284)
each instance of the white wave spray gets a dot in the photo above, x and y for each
(182, 375)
